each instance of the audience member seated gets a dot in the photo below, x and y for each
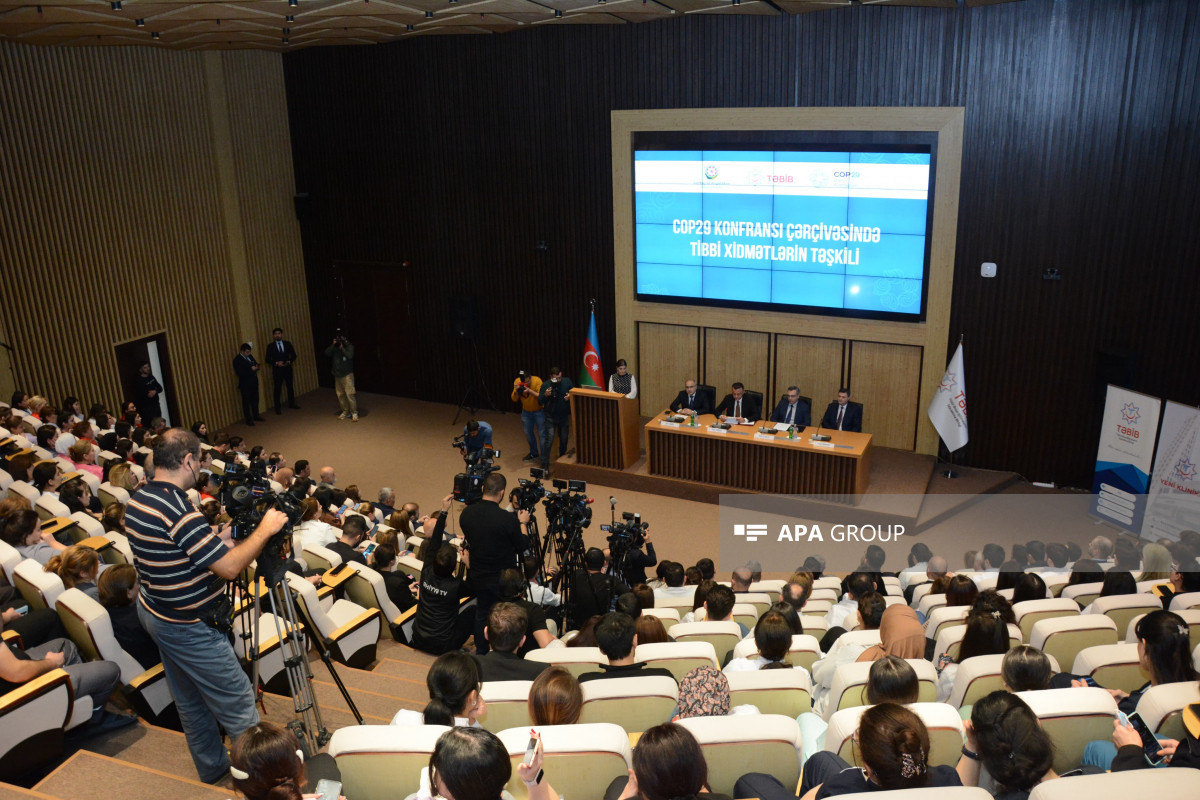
(1010, 575)
(1116, 582)
(398, 584)
(616, 636)
(702, 590)
(870, 616)
(650, 629)
(797, 590)
(1100, 549)
(674, 581)
(78, 567)
(667, 763)
(586, 635)
(936, 569)
(893, 745)
(592, 592)
(1008, 741)
(23, 530)
(1185, 578)
(354, 533)
(1126, 556)
(718, 607)
(77, 496)
(453, 681)
(1026, 669)
(438, 627)
(992, 558)
(772, 637)
(118, 589)
(900, 635)
(1029, 587)
(1085, 570)
(505, 633)
(704, 692)
(857, 584)
(311, 530)
(740, 579)
(555, 698)
(986, 634)
(1174, 753)
(1156, 563)
(541, 595)
(266, 763)
(473, 764)
(513, 588)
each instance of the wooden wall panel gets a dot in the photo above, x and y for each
(886, 379)
(111, 221)
(669, 355)
(815, 365)
(736, 356)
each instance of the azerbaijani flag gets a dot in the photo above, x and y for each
(591, 373)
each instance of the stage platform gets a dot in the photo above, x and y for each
(904, 485)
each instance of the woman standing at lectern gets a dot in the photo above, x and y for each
(622, 381)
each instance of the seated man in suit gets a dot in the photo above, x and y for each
(690, 401)
(738, 407)
(792, 410)
(505, 632)
(842, 415)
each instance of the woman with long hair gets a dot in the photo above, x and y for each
(454, 682)
(667, 764)
(1005, 736)
(555, 698)
(266, 763)
(1156, 563)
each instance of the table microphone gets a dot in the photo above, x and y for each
(820, 437)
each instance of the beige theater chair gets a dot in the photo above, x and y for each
(684, 604)
(635, 703)
(1113, 666)
(1176, 783)
(371, 757)
(89, 626)
(39, 588)
(507, 704)
(25, 490)
(576, 660)
(1186, 600)
(850, 684)
(759, 600)
(365, 586)
(816, 608)
(410, 565)
(33, 721)
(669, 617)
(814, 626)
(723, 636)
(830, 595)
(581, 759)
(944, 724)
(353, 631)
(769, 742)
(1189, 615)
(49, 508)
(944, 617)
(110, 494)
(1072, 718)
(1064, 637)
(980, 676)
(772, 588)
(929, 602)
(1030, 612)
(9, 559)
(829, 583)
(804, 652)
(1083, 593)
(1122, 608)
(1161, 707)
(745, 614)
(771, 691)
(320, 558)
(679, 657)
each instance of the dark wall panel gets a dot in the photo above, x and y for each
(459, 154)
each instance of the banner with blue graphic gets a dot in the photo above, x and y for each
(1124, 458)
(1173, 504)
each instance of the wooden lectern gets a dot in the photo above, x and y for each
(606, 428)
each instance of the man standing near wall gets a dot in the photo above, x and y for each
(246, 367)
(281, 355)
(341, 353)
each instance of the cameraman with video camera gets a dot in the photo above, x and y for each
(341, 354)
(476, 436)
(496, 539)
(182, 568)
(554, 400)
(628, 556)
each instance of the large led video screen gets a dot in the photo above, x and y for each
(826, 223)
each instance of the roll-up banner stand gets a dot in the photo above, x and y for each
(1124, 458)
(1173, 503)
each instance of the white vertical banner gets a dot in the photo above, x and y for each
(1173, 504)
(1124, 457)
(948, 411)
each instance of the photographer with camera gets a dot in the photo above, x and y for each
(496, 539)
(476, 436)
(182, 568)
(341, 353)
(526, 389)
(554, 400)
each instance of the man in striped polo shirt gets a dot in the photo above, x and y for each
(182, 568)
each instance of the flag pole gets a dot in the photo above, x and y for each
(950, 473)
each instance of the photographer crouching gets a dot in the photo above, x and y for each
(182, 567)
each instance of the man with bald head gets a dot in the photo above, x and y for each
(284, 475)
(741, 579)
(1100, 549)
(691, 401)
(328, 478)
(935, 568)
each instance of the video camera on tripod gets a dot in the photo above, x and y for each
(468, 486)
(247, 495)
(568, 507)
(625, 538)
(529, 490)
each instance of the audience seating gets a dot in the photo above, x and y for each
(1124, 607)
(1189, 615)
(1176, 783)
(804, 652)
(88, 624)
(270, 648)
(576, 660)
(9, 558)
(1064, 637)
(1161, 707)
(370, 757)
(759, 600)
(110, 494)
(744, 613)
(5, 479)
(824, 594)
(813, 625)
(26, 490)
(944, 617)
(930, 602)
(84, 526)
(635, 703)
(350, 630)
(830, 582)
(683, 603)
(817, 608)
(410, 565)
(1072, 718)
(32, 722)
(950, 639)
(507, 705)
(773, 588)
(1029, 612)
(669, 617)
(679, 657)
(772, 691)
(850, 683)
(1186, 600)
(39, 588)
(732, 746)
(863, 637)
(366, 587)
(976, 677)
(1083, 593)
(892, 586)
(919, 593)
(1055, 582)
(944, 724)
(321, 558)
(1113, 666)
(49, 508)
(723, 636)
(581, 760)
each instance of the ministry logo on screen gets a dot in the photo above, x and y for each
(710, 172)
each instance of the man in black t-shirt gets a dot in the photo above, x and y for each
(438, 627)
(592, 592)
(616, 636)
(496, 540)
(514, 589)
(354, 530)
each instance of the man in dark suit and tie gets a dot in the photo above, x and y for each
(246, 368)
(690, 402)
(281, 355)
(738, 406)
(792, 410)
(843, 415)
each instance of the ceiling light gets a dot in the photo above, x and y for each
(293, 3)
(285, 40)
(428, 15)
(557, 12)
(409, 26)
(154, 36)
(141, 23)
(116, 5)
(289, 18)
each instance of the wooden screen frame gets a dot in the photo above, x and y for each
(932, 335)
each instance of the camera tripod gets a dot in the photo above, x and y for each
(481, 388)
(307, 725)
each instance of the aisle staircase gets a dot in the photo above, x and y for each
(145, 762)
